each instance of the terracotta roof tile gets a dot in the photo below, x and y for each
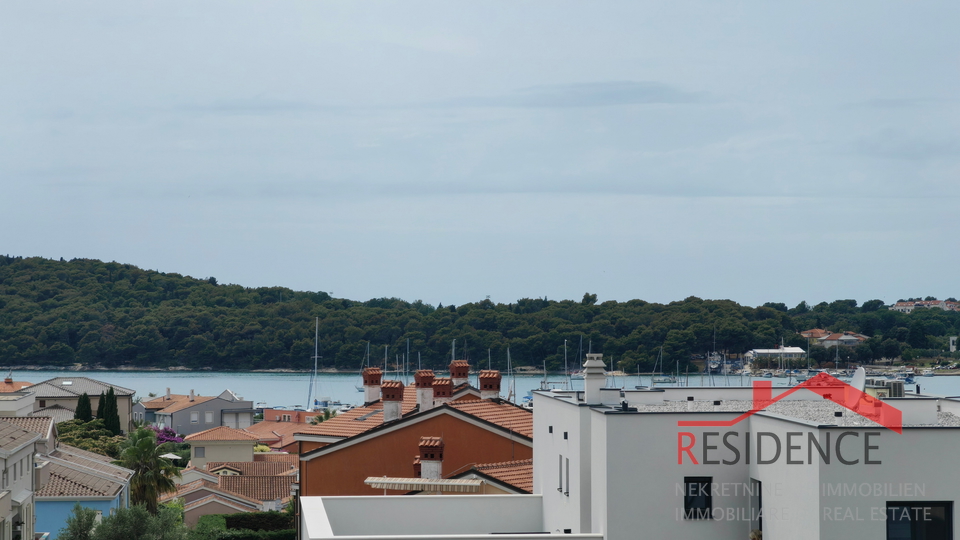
(502, 414)
(73, 387)
(277, 457)
(36, 424)
(261, 488)
(13, 386)
(254, 468)
(58, 413)
(66, 481)
(516, 473)
(214, 488)
(223, 500)
(82, 459)
(277, 432)
(221, 433)
(13, 437)
(360, 419)
(185, 404)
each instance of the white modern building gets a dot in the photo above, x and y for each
(698, 463)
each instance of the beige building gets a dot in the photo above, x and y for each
(220, 444)
(66, 392)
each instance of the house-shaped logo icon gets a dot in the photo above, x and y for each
(826, 386)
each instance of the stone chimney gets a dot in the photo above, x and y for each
(371, 384)
(424, 381)
(191, 395)
(442, 391)
(431, 457)
(392, 398)
(594, 378)
(169, 397)
(489, 384)
(459, 371)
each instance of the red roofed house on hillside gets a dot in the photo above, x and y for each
(338, 455)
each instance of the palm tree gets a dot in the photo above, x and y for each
(152, 475)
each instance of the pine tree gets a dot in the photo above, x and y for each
(101, 403)
(111, 414)
(84, 411)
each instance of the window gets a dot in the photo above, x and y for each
(199, 451)
(697, 497)
(43, 403)
(917, 520)
(285, 418)
(195, 417)
(208, 417)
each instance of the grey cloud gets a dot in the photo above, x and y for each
(600, 94)
(893, 145)
(254, 106)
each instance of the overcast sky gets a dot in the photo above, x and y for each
(446, 151)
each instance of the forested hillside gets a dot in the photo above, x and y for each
(58, 313)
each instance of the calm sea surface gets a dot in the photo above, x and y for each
(290, 389)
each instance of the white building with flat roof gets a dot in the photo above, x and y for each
(818, 462)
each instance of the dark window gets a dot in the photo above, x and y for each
(43, 403)
(918, 520)
(697, 498)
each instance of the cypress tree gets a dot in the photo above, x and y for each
(111, 414)
(100, 405)
(84, 410)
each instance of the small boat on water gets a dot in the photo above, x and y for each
(927, 373)
(767, 375)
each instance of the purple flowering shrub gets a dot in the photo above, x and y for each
(165, 435)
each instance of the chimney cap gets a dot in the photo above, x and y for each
(431, 442)
(490, 374)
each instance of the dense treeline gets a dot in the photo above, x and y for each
(60, 313)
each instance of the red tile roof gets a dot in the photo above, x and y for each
(254, 468)
(360, 419)
(516, 473)
(181, 404)
(277, 457)
(502, 414)
(261, 488)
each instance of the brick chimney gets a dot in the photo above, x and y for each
(459, 371)
(431, 457)
(371, 384)
(424, 381)
(417, 467)
(392, 398)
(594, 378)
(442, 391)
(489, 384)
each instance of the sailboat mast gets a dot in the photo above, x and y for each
(316, 356)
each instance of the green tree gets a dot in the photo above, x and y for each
(84, 412)
(80, 524)
(111, 414)
(101, 405)
(136, 523)
(152, 475)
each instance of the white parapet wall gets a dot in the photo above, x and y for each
(430, 516)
